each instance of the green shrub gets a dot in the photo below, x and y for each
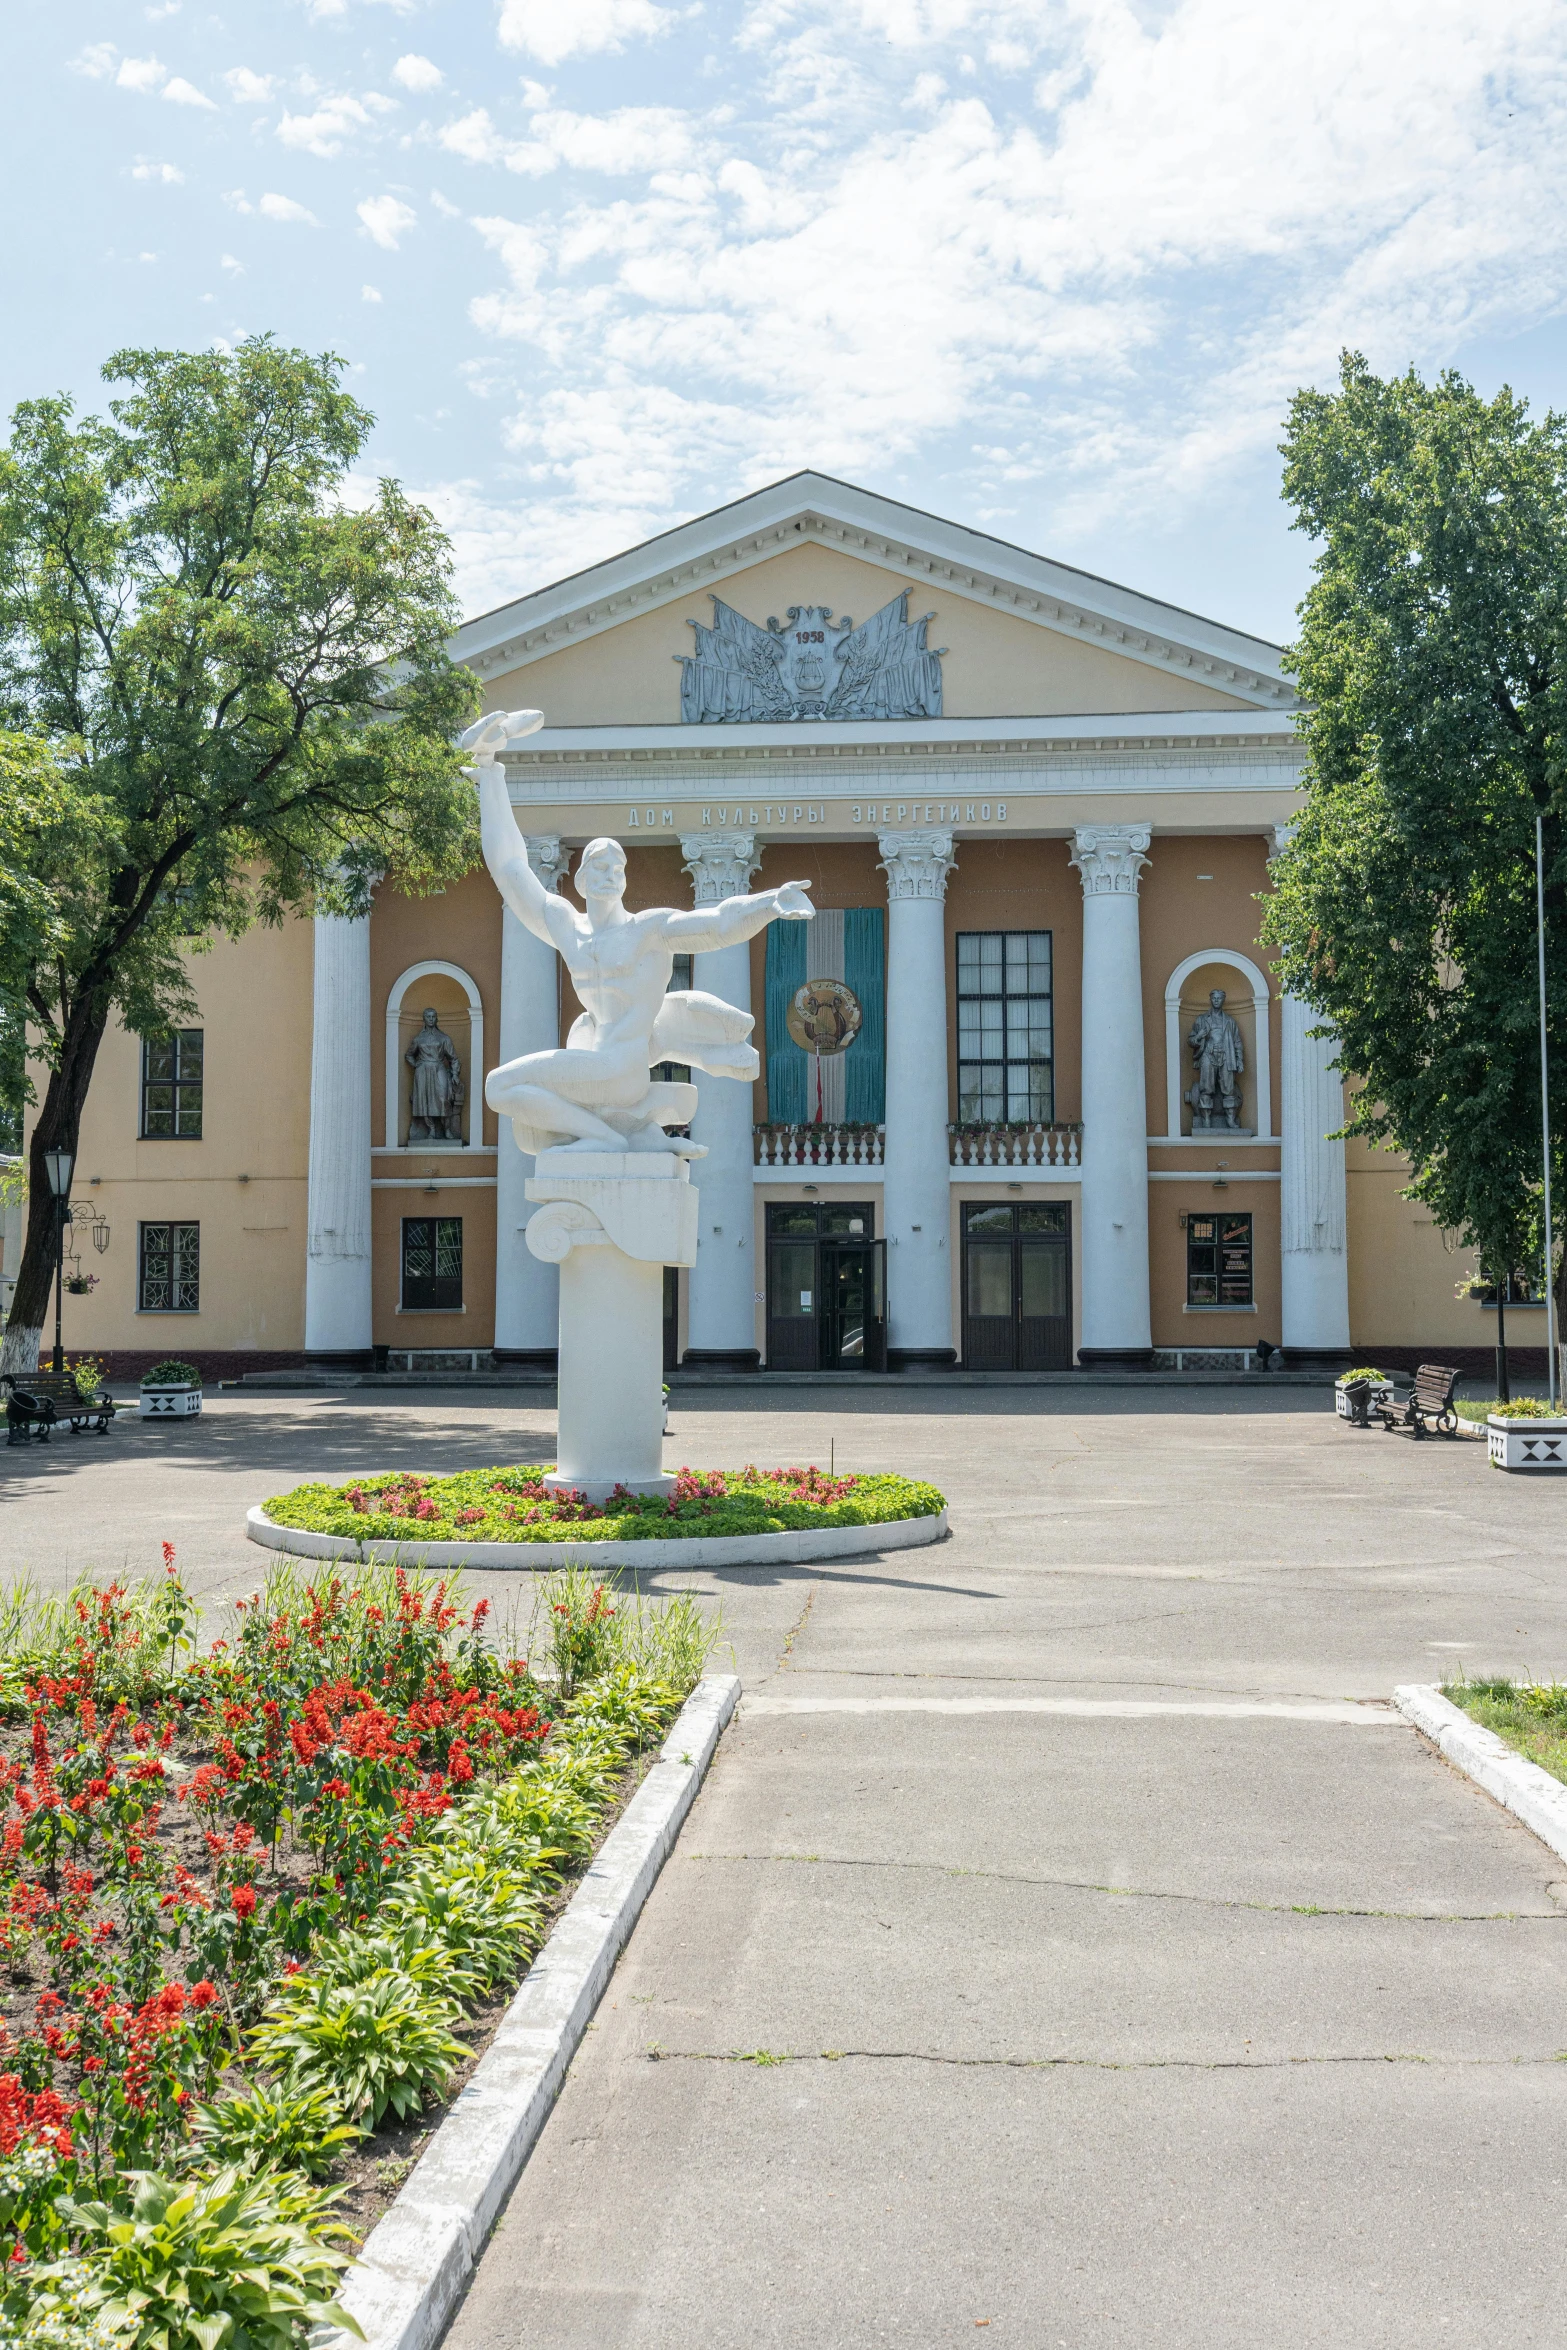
(1365, 1377)
(1528, 1407)
(275, 2126)
(377, 2045)
(214, 2264)
(174, 1371)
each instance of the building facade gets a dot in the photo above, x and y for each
(1029, 1096)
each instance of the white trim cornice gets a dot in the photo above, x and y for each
(697, 557)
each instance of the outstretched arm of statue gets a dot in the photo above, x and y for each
(724, 925)
(505, 852)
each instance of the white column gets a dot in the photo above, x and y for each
(527, 1293)
(1117, 1330)
(337, 1265)
(916, 1188)
(721, 1310)
(1314, 1214)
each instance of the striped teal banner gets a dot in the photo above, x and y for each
(848, 945)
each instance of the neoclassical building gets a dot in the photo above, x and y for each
(1029, 1096)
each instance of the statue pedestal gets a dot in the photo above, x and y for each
(611, 1220)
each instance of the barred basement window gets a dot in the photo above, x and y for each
(168, 1268)
(171, 1071)
(1005, 1053)
(432, 1262)
(1218, 1261)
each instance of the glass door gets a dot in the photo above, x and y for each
(1017, 1286)
(826, 1287)
(854, 1310)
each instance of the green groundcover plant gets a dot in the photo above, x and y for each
(1366, 1376)
(174, 1371)
(250, 1890)
(1526, 1407)
(511, 1505)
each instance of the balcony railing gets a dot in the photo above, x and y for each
(819, 1146)
(1016, 1146)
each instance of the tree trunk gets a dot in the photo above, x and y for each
(58, 1127)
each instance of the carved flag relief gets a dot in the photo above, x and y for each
(810, 666)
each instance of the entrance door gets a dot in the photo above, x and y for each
(1017, 1286)
(826, 1287)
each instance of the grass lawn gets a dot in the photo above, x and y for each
(1531, 1717)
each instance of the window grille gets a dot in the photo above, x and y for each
(432, 1262)
(168, 1276)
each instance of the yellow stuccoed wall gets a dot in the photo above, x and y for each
(997, 665)
(244, 1182)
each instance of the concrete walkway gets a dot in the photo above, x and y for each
(1135, 1977)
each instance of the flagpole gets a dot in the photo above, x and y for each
(1545, 1108)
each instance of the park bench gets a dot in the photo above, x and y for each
(42, 1399)
(1431, 1398)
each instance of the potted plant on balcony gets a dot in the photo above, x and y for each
(1527, 1434)
(1357, 1395)
(171, 1390)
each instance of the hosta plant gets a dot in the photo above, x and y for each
(401, 1948)
(275, 2125)
(377, 2046)
(213, 2264)
(481, 1912)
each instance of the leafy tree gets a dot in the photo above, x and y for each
(236, 694)
(1432, 659)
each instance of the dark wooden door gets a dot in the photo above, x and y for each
(1017, 1286)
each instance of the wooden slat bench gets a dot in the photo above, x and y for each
(42, 1399)
(1431, 1398)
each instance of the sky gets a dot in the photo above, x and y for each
(1049, 267)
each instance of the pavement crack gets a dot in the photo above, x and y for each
(764, 2058)
(795, 1629)
(1296, 1909)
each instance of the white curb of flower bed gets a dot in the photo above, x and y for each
(416, 2262)
(719, 1550)
(1532, 1794)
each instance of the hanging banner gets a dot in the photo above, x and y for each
(826, 1019)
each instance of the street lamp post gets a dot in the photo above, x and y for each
(59, 1165)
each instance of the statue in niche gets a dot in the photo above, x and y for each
(1217, 1046)
(597, 1093)
(435, 1109)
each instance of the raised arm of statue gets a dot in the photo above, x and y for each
(707, 927)
(505, 852)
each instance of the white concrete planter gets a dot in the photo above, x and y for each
(1344, 1391)
(714, 1550)
(1527, 1444)
(170, 1403)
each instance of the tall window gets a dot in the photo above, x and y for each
(432, 1262)
(171, 1086)
(168, 1272)
(1218, 1261)
(1005, 1058)
(679, 978)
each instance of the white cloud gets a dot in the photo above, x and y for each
(168, 8)
(323, 132)
(146, 256)
(140, 73)
(169, 174)
(228, 262)
(369, 293)
(247, 88)
(631, 140)
(473, 137)
(417, 73)
(386, 220)
(444, 206)
(184, 93)
(551, 30)
(285, 208)
(95, 61)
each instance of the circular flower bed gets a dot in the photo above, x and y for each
(511, 1505)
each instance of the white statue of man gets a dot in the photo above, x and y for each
(596, 1093)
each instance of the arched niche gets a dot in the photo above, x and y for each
(1186, 994)
(449, 991)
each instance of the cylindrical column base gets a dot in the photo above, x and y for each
(1115, 1358)
(611, 1378)
(525, 1358)
(921, 1358)
(721, 1358)
(1317, 1358)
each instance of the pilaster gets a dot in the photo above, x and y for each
(916, 1192)
(527, 1292)
(1116, 1323)
(721, 1308)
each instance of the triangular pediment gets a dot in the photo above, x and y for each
(808, 540)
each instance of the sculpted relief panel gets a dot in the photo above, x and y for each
(810, 666)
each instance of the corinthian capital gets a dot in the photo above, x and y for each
(1282, 835)
(720, 864)
(1110, 858)
(916, 863)
(546, 856)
